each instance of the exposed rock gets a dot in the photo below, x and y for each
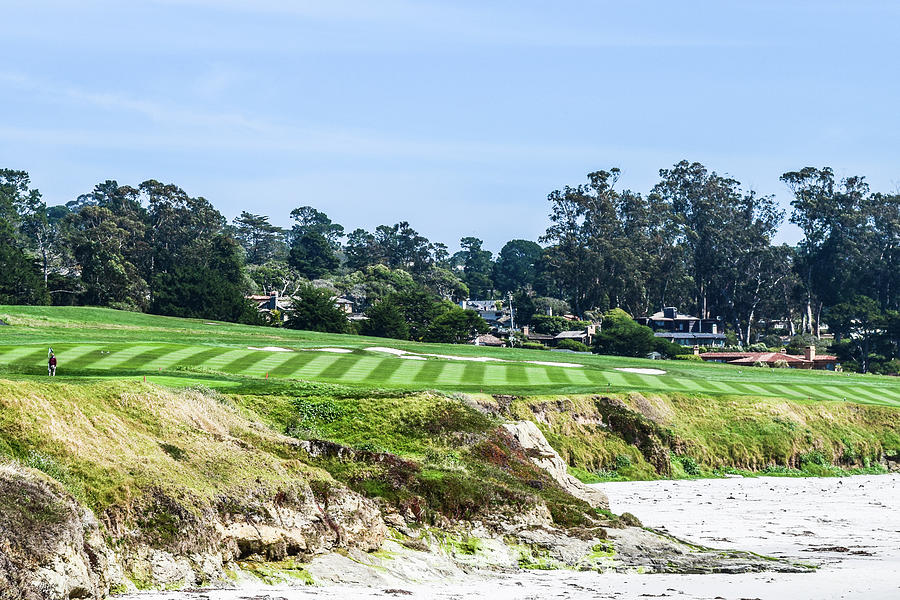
(50, 547)
(543, 455)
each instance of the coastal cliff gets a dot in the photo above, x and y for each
(109, 487)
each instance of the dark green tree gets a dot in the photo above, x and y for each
(456, 326)
(620, 335)
(214, 290)
(20, 279)
(384, 319)
(419, 309)
(313, 256)
(314, 310)
(312, 221)
(108, 247)
(476, 267)
(401, 247)
(260, 239)
(360, 250)
(860, 321)
(517, 265)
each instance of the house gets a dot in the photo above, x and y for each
(809, 360)
(685, 330)
(488, 340)
(585, 336)
(496, 318)
(266, 303)
(344, 305)
(532, 336)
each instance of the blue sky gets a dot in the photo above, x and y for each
(457, 116)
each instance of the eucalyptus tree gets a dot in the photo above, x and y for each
(261, 240)
(831, 257)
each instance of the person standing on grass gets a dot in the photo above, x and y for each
(51, 364)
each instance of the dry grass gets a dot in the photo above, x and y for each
(113, 441)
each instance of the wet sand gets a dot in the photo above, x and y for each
(849, 526)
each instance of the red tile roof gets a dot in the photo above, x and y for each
(751, 358)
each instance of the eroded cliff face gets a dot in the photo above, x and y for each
(53, 548)
(543, 455)
(50, 546)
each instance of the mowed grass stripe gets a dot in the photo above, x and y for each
(201, 359)
(558, 375)
(313, 368)
(779, 390)
(494, 375)
(153, 353)
(615, 378)
(121, 357)
(383, 369)
(294, 363)
(841, 392)
(407, 372)
(87, 360)
(452, 374)
(473, 374)
(538, 375)
(864, 394)
(883, 392)
(32, 357)
(174, 357)
(269, 363)
(515, 374)
(219, 361)
(335, 371)
(430, 372)
(632, 380)
(70, 355)
(243, 364)
(693, 385)
(578, 376)
(11, 353)
(362, 368)
(825, 392)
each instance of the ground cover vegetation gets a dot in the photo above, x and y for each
(696, 240)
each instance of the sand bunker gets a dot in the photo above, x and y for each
(641, 371)
(416, 356)
(393, 351)
(270, 349)
(547, 363)
(334, 350)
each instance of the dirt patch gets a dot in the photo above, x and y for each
(653, 408)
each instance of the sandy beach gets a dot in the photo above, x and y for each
(849, 526)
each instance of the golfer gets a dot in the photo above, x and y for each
(51, 365)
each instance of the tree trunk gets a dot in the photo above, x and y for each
(818, 320)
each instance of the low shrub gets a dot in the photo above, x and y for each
(534, 346)
(573, 345)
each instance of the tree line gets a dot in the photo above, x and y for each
(697, 240)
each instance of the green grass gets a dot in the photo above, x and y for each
(104, 343)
